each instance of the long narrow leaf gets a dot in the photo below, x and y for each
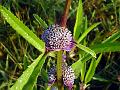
(22, 29)
(86, 49)
(102, 79)
(33, 77)
(106, 47)
(79, 18)
(98, 60)
(92, 68)
(83, 70)
(87, 31)
(40, 21)
(27, 80)
(112, 38)
(100, 48)
(91, 71)
(77, 68)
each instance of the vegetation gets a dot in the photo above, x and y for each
(25, 62)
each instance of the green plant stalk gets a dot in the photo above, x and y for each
(59, 53)
(59, 70)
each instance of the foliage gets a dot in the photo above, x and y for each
(94, 59)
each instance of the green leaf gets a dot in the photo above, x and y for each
(77, 68)
(106, 47)
(98, 60)
(92, 68)
(86, 49)
(99, 78)
(86, 23)
(27, 80)
(112, 38)
(22, 29)
(83, 70)
(98, 48)
(87, 31)
(40, 21)
(90, 71)
(79, 18)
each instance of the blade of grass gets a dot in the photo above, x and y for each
(12, 57)
(87, 31)
(79, 18)
(112, 38)
(102, 79)
(22, 29)
(40, 21)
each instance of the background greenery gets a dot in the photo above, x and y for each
(16, 53)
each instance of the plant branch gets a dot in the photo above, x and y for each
(59, 69)
(65, 14)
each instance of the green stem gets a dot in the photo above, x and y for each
(59, 70)
(59, 53)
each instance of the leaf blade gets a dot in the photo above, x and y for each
(86, 49)
(106, 47)
(112, 38)
(87, 31)
(28, 74)
(99, 48)
(77, 68)
(23, 30)
(40, 21)
(79, 18)
(90, 71)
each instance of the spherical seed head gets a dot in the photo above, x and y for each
(58, 38)
(68, 77)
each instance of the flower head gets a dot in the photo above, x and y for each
(68, 77)
(51, 75)
(67, 73)
(58, 38)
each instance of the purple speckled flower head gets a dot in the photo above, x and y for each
(51, 75)
(67, 73)
(58, 38)
(68, 77)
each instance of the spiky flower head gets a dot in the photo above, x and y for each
(51, 75)
(58, 38)
(68, 77)
(67, 73)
